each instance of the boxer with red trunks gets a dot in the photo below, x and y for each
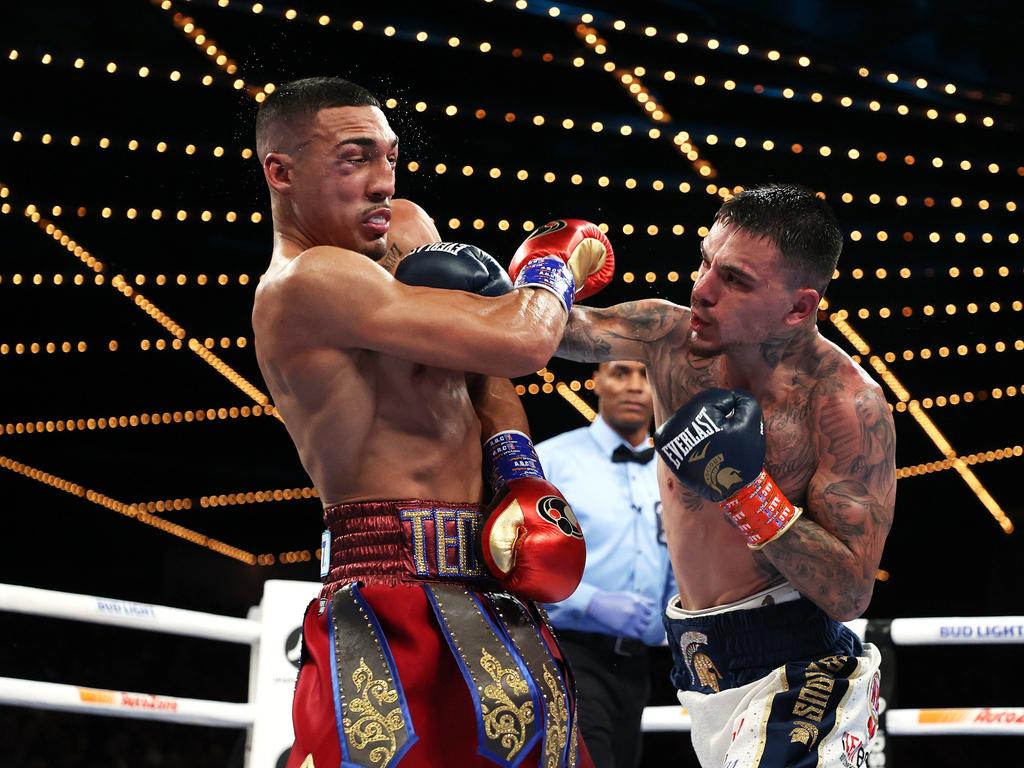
(425, 647)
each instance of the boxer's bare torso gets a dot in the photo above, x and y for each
(830, 447)
(367, 425)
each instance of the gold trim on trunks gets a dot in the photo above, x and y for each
(523, 632)
(375, 724)
(506, 705)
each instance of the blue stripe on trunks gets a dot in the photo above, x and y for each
(804, 716)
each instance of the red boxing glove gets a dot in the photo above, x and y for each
(580, 244)
(532, 542)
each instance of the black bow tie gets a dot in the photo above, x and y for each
(622, 453)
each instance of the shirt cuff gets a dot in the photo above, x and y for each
(575, 606)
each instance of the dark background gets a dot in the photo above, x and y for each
(946, 554)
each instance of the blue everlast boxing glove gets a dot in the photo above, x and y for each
(455, 266)
(715, 445)
(624, 613)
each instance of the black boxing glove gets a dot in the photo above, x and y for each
(454, 266)
(715, 445)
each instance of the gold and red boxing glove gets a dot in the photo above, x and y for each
(715, 445)
(530, 540)
(571, 258)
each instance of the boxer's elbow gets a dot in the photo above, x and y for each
(852, 604)
(531, 352)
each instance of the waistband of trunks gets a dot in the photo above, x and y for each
(735, 647)
(783, 593)
(404, 541)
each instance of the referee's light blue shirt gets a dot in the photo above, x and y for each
(619, 510)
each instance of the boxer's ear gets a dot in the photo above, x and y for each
(278, 168)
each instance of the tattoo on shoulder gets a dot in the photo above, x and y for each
(390, 260)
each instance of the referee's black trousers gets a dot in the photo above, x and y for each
(613, 686)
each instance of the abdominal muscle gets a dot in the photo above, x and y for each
(372, 427)
(712, 563)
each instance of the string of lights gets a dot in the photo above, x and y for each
(736, 48)
(982, 457)
(627, 229)
(620, 25)
(923, 420)
(121, 285)
(128, 510)
(928, 310)
(156, 214)
(961, 350)
(681, 140)
(112, 345)
(258, 497)
(155, 418)
(390, 31)
(955, 398)
(39, 347)
(114, 68)
(160, 146)
(138, 279)
(653, 110)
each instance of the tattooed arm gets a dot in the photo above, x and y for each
(831, 553)
(411, 227)
(594, 335)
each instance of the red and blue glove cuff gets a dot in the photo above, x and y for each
(552, 274)
(510, 455)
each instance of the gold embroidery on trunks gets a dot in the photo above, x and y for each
(502, 718)
(558, 721)
(707, 673)
(574, 740)
(376, 724)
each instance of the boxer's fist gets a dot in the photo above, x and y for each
(532, 542)
(580, 244)
(715, 443)
(455, 266)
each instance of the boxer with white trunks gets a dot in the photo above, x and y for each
(425, 647)
(778, 481)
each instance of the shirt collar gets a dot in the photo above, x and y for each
(608, 439)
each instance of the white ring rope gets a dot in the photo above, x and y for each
(30, 693)
(124, 613)
(146, 706)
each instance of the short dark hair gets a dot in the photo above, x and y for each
(300, 100)
(800, 224)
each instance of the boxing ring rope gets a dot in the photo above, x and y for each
(994, 721)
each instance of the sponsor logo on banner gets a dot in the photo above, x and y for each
(127, 700)
(125, 608)
(988, 715)
(981, 631)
